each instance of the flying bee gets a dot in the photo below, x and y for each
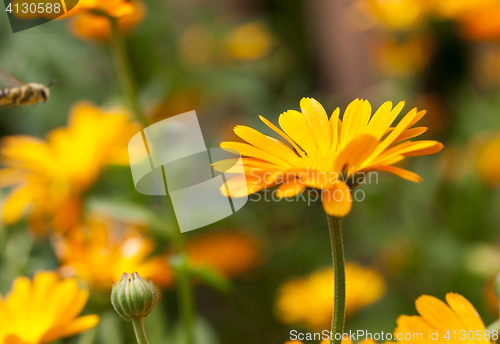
(18, 93)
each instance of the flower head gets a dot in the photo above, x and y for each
(100, 252)
(307, 301)
(43, 310)
(50, 176)
(435, 315)
(326, 153)
(132, 296)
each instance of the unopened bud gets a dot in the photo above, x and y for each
(132, 296)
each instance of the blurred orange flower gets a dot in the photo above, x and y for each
(50, 176)
(103, 250)
(249, 41)
(307, 301)
(482, 22)
(439, 317)
(97, 27)
(43, 310)
(229, 253)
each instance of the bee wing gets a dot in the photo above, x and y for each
(8, 80)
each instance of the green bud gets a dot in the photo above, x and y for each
(133, 297)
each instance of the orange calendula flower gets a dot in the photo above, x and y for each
(97, 27)
(441, 319)
(102, 251)
(229, 253)
(327, 154)
(307, 301)
(43, 310)
(50, 176)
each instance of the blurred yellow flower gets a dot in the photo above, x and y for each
(103, 250)
(97, 27)
(229, 253)
(436, 316)
(396, 14)
(307, 301)
(488, 161)
(43, 310)
(50, 176)
(327, 154)
(249, 42)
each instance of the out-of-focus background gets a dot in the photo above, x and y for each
(232, 61)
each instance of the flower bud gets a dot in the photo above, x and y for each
(132, 296)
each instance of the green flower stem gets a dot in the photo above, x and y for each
(140, 333)
(124, 71)
(334, 226)
(185, 295)
(183, 277)
(186, 301)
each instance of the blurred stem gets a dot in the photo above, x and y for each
(183, 276)
(335, 228)
(124, 70)
(494, 326)
(140, 333)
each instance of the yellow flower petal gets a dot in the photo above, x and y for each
(335, 125)
(282, 134)
(402, 173)
(296, 127)
(263, 142)
(290, 189)
(355, 153)
(317, 120)
(410, 133)
(79, 325)
(356, 117)
(253, 152)
(337, 201)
